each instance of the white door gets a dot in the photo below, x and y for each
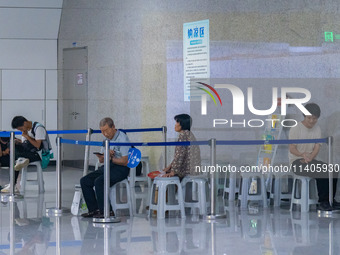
(74, 102)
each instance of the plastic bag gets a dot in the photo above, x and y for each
(46, 156)
(155, 174)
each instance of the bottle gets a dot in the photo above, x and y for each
(276, 116)
(266, 162)
(253, 186)
(267, 147)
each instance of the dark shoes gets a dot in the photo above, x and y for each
(101, 215)
(95, 214)
(325, 206)
(336, 205)
(90, 214)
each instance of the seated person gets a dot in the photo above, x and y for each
(186, 157)
(303, 156)
(28, 149)
(118, 170)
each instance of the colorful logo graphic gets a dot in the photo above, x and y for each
(209, 93)
(239, 99)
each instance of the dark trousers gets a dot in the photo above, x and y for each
(321, 178)
(20, 153)
(4, 160)
(95, 198)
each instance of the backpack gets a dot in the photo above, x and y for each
(45, 147)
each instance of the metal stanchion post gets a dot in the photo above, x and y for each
(164, 131)
(213, 238)
(57, 236)
(330, 180)
(331, 247)
(107, 241)
(213, 186)
(11, 229)
(330, 173)
(87, 152)
(107, 218)
(11, 163)
(212, 176)
(11, 196)
(58, 210)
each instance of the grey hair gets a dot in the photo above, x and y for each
(106, 121)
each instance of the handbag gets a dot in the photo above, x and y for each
(46, 156)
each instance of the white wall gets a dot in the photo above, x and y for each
(136, 78)
(28, 63)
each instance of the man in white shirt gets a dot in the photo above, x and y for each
(302, 157)
(28, 149)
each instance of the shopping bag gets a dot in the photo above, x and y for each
(154, 174)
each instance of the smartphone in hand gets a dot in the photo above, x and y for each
(98, 153)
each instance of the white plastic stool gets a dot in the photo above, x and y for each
(276, 187)
(195, 238)
(140, 200)
(198, 191)
(232, 214)
(162, 206)
(305, 229)
(33, 202)
(304, 193)
(261, 194)
(231, 186)
(253, 226)
(113, 197)
(118, 233)
(164, 229)
(39, 181)
(145, 170)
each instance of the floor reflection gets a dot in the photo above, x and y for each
(26, 230)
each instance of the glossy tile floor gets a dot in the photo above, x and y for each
(25, 229)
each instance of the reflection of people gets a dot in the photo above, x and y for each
(94, 239)
(34, 138)
(186, 157)
(34, 233)
(118, 170)
(302, 157)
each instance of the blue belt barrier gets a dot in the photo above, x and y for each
(8, 134)
(133, 130)
(240, 142)
(5, 134)
(69, 141)
(261, 142)
(53, 132)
